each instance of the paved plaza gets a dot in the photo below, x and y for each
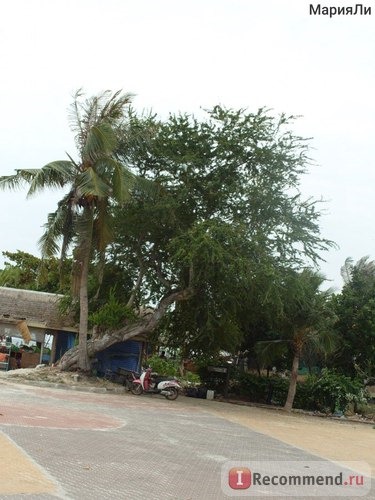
(67, 444)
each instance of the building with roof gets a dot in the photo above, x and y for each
(33, 316)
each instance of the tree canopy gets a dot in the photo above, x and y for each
(23, 270)
(227, 217)
(205, 247)
(355, 309)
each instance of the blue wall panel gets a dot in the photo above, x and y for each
(121, 355)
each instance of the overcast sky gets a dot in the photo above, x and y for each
(184, 55)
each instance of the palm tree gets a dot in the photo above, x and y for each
(305, 322)
(94, 182)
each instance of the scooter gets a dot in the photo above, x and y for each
(160, 385)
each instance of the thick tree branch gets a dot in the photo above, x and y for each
(138, 282)
(159, 272)
(143, 326)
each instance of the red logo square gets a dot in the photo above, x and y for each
(239, 478)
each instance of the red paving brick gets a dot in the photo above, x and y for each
(27, 415)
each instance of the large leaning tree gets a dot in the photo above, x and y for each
(186, 256)
(227, 218)
(93, 182)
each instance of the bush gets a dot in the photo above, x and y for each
(305, 398)
(328, 392)
(191, 378)
(112, 315)
(260, 389)
(163, 366)
(334, 392)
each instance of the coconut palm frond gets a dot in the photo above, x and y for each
(346, 270)
(89, 183)
(107, 107)
(123, 181)
(18, 179)
(268, 351)
(60, 225)
(74, 163)
(55, 174)
(49, 241)
(101, 140)
(323, 342)
(113, 108)
(366, 266)
(103, 226)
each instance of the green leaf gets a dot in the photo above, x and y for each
(89, 183)
(53, 175)
(101, 141)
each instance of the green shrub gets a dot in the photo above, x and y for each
(191, 378)
(305, 394)
(334, 392)
(279, 390)
(328, 392)
(260, 389)
(163, 366)
(112, 315)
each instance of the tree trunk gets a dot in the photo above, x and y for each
(71, 359)
(84, 253)
(292, 382)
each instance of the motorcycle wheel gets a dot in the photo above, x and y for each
(136, 389)
(173, 393)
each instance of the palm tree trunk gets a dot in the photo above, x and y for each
(85, 254)
(292, 382)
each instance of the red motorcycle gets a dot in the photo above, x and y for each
(152, 384)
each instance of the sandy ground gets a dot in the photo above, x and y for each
(340, 441)
(19, 473)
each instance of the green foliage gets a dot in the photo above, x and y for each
(252, 386)
(304, 323)
(191, 378)
(111, 315)
(163, 366)
(25, 271)
(260, 389)
(355, 309)
(93, 183)
(223, 224)
(227, 217)
(335, 392)
(328, 392)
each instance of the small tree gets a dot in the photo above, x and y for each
(23, 270)
(305, 319)
(355, 327)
